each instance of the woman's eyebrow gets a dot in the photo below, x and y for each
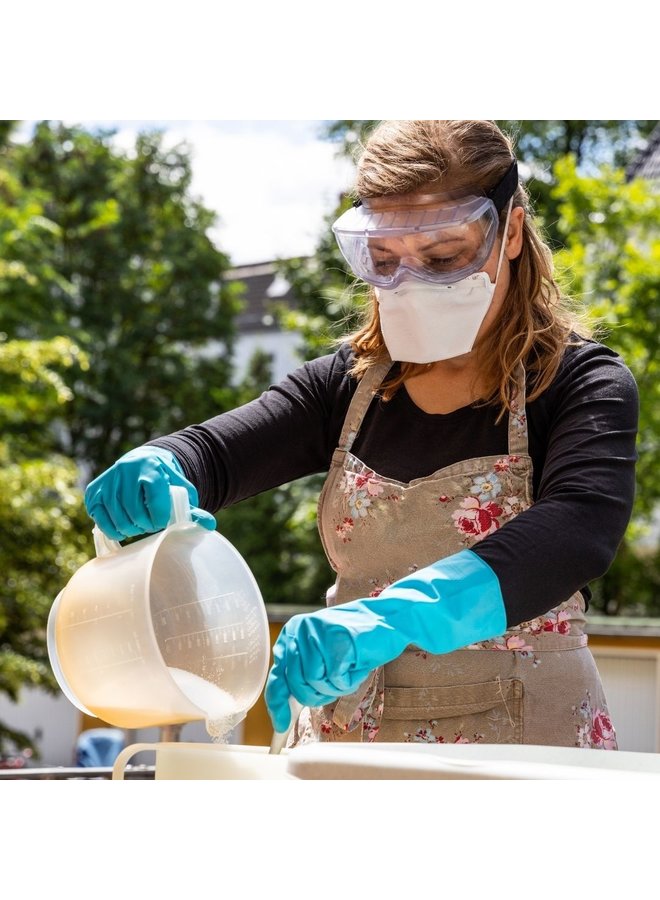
(436, 243)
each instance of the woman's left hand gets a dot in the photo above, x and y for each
(322, 655)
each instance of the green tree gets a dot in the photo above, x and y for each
(611, 261)
(44, 530)
(591, 143)
(539, 142)
(43, 524)
(129, 273)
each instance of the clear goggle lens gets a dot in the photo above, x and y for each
(440, 245)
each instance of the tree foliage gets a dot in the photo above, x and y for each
(41, 514)
(109, 288)
(611, 261)
(128, 272)
(44, 529)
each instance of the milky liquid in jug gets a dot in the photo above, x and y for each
(166, 630)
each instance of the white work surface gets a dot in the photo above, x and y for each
(464, 761)
(329, 761)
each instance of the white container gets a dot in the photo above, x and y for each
(391, 761)
(169, 629)
(419, 761)
(193, 762)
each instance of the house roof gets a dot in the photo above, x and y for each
(630, 626)
(264, 286)
(647, 162)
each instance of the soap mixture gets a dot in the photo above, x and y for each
(220, 707)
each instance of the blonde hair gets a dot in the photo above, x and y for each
(536, 323)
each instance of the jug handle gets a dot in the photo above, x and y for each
(104, 545)
(180, 506)
(180, 515)
(121, 761)
(123, 757)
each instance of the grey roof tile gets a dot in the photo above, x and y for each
(264, 287)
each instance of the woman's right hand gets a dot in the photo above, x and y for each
(133, 496)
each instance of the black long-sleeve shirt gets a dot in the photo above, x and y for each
(582, 433)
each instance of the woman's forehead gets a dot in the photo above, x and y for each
(468, 233)
(424, 198)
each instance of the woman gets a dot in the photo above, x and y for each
(480, 458)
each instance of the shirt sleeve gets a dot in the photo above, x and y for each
(288, 432)
(586, 488)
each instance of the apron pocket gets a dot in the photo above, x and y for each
(489, 712)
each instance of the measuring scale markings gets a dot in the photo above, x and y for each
(100, 654)
(110, 656)
(201, 638)
(114, 665)
(209, 600)
(253, 626)
(88, 620)
(191, 612)
(212, 643)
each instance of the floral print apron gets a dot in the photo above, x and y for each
(535, 684)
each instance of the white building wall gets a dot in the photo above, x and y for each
(282, 345)
(51, 721)
(631, 683)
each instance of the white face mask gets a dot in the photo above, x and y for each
(424, 323)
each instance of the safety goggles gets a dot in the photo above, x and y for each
(439, 238)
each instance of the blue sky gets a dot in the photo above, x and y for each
(271, 182)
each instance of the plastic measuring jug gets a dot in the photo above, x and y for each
(169, 629)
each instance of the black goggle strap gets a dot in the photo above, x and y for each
(500, 194)
(505, 187)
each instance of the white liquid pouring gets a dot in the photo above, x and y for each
(220, 707)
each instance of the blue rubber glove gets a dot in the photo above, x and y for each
(133, 496)
(322, 655)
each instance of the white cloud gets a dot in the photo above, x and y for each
(270, 182)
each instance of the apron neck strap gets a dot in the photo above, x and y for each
(364, 394)
(518, 445)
